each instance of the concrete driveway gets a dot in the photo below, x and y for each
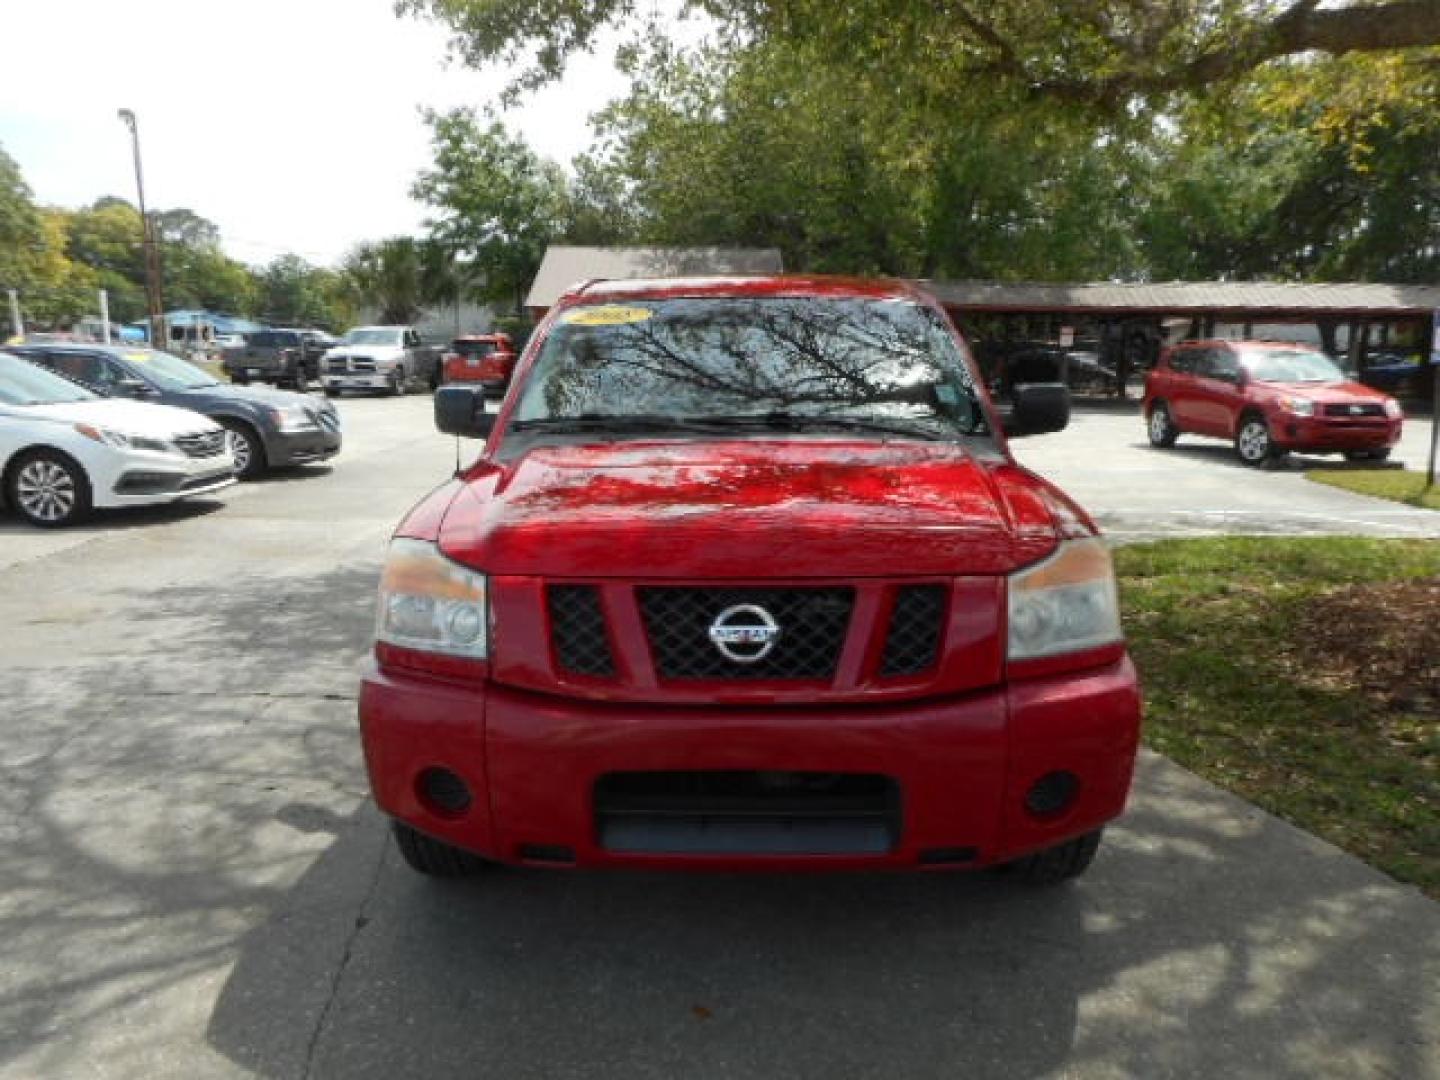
(194, 884)
(1199, 487)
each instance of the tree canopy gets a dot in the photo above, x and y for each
(57, 259)
(1016, 139)
(1102, 52)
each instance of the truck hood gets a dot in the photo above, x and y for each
(751, 509)
(127, 417)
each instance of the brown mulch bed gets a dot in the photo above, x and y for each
(1383, 638)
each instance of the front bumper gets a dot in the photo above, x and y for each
(284, 448)
(376, 380)
(140, 478)
(962, 766)
(1315, 434)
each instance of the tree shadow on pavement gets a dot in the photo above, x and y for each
(190, 890)
(1208, 940)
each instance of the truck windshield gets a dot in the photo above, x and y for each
(374, 336)
(889, 366)
(22, 383)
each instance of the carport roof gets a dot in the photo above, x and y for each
(1189, 297)
(565, 266)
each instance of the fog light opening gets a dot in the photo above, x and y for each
(443, 792)
(1052, 794)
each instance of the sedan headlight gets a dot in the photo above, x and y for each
(121, 440)
(431, 604)
(1393, 409)
(1067, 603)
(292, 418)
(1299, 406)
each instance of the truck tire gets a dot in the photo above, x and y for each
(396, 388)
(434, 858)
(1058, 864)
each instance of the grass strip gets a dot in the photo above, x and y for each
(1304, 675)
(1397, 485)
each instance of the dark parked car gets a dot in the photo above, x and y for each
(284, 357)
(269, 428)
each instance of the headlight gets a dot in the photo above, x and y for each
(1065, 604)
(121, 441)
(431, 604)
(1299, 406)
(1393, 409)
(293, 418)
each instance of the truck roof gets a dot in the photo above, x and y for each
(818, 285)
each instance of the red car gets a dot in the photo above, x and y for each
(1269, 398)
(487, 359)
(746, 578)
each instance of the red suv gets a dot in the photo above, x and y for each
(1268, 398)
(745, 577)
(487, 359)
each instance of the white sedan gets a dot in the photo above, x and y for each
(64, 450)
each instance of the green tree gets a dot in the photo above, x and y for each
(389, 275)
(495, 202)
(54, 290)
(1104, 53)
(292, 292)
(772, 147)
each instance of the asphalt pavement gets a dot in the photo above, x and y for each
(193, 883)
(1199, 488)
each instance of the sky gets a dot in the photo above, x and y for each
(292, 124)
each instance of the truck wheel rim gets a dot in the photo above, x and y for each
(1254, 441)
(1158, 425)
(45, 491)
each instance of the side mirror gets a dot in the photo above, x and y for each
(460, 410)
(133, 388)
(1038, 408)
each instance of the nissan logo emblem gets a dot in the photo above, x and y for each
(744, 633)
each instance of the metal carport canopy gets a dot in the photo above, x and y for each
(1185, 298)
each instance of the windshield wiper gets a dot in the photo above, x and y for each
(784, 421)
(596, 422)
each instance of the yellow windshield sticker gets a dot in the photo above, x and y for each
(609, 315)
(138, 357)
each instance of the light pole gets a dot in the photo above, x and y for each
(153, 300)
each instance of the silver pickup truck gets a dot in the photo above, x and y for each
(388, 359)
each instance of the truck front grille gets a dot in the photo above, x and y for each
(577, 627)
(1367, 409)
(912, 640)
(810, 628)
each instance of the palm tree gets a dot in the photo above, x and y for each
(400, 276)
(387, 275)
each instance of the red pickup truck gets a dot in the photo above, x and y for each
(745, 577)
